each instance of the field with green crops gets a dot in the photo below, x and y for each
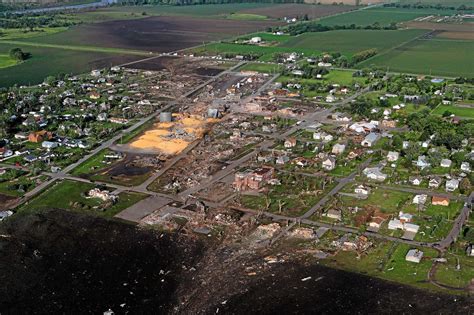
(6, 61)
(437, 57)
(349, 42)
(383, 16)
(51, 61)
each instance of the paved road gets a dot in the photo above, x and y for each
(458, 224)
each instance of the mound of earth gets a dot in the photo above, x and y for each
(62, 262)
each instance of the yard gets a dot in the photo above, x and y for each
(386, 260)
(69, 195)
(296, 195)
(465, 112)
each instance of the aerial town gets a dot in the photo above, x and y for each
(367, 171)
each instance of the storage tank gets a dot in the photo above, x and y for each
(166, 117)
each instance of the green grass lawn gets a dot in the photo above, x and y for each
(246, 17)
(18, 33)
(398, 269)
(10, 188)
(387, 200)
(60, 196)
(91, 165)
(268, 37)
(7, 61)
(437, 57)
(295, 197)
(466, 112)
(448, 274)
(266, 52)
(349, 42)
(64, 194)
(386, 260)
(262, 67)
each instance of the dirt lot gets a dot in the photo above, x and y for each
(466, 27)
(446, 30)
(293, 10)
(158, 34)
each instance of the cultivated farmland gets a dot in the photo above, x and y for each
(349, 42)
(383, 16)
(157, 34)
(293, 10)
(49, 61)
(434, 56)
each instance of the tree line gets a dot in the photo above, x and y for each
(200, 2)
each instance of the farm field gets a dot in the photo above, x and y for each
(437, 57)
(348, 42)
(6, 61)
(383, 16)
(50, 61)
(157, 34)
(266, 52)
(293, 10)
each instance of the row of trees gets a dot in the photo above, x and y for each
(301, 28)
(438, 6)
(198, 2)
(29, 22)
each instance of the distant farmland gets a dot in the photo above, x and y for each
(437, 57)
(49, 61)
(383, 16)
(348, 42)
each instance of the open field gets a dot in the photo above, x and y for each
(437, 57)
(50, 61)
(64, 194)
(270, 10)
(6, 61)
(383, 16)
(441, 2)
(157, 34)
(208, 10)
(463, 31)
(466, 112)
(348, 42)
(293, 10)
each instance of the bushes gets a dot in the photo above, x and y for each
(363, 55)
(18, 54)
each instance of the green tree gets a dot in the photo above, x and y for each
(18, 54)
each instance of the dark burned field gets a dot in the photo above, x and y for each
(157, 34)
(61, 262)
